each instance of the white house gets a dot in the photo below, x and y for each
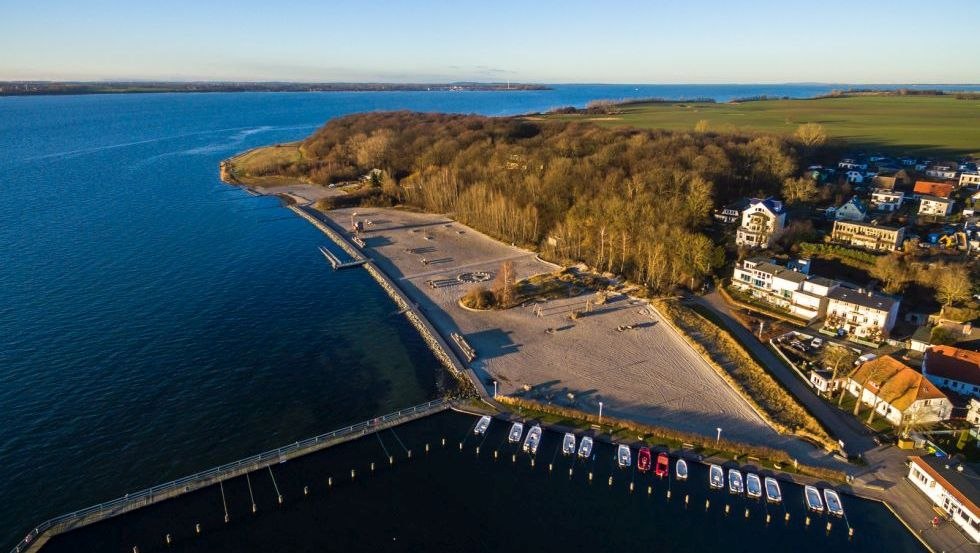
(943, 172)
(852, 210)
(854, 176)
(852, 164)
(883, 199)
(861, 314)
(954, 369)
(952, 487)
(973, 411)
(762, 222)
(898, 393)
(934, 205)
(871, 236)
(785, 289)
(970, 179)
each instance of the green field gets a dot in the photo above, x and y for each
(914, 124)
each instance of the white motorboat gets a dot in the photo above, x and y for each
(568, 444)
(516, 431)
(773, 493)
(735, 484)
(482, 425)
(716, 477)
(533, 439)
(753, 486)
(834, 505)
(585, 448)
(680, 469)
(623, 456)
(812, 498)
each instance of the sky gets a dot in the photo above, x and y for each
(572, 41)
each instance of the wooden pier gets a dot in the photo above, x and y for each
(337, 264)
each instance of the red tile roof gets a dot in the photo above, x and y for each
(929, 188)
(953, 363)
(895, 383)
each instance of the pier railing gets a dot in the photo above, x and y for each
(60, 524)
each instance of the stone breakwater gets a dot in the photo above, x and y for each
(440, 348)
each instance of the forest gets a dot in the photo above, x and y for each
(635, 202)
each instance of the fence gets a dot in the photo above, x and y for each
(149, 496)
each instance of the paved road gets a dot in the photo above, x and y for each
(857, 438)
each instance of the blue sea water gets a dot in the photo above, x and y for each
(155, 322)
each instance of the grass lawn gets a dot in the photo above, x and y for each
(899, 123)
(879, 424)
(245, 165)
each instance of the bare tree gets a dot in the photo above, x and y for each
(811, 134)
(892, 270)
(799, 190)
(953, 284)
(504, 284)
(836, 357)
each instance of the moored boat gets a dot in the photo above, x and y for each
(516, 431)
(735, 484)
(623, 456)
(643, 459)
(716, 477)
(533, 439)
(773, 493)
(834, 505)
(812, 498)
(585, 448)
(568, 444)
(680, 469)
(663, 465)
(482, 425)
(753, 486)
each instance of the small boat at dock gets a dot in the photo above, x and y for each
(643, 459)
(623, 456)
(568, 444)
(516, 431)
(663, 465)
(716, 477)
(735, 484)
(585, 448)
(680, 469)
(753, 486)
(482, 425)
(812, 498)
(832, 500)
(773, 493)
(533, 439)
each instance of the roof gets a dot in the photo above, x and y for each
(938, 199)
(895, 383)
(953, 363)
(930, 188)
(771, 204)
(960, 484)
(823, 281)
(790, 275)
(922, 334)
(763, 265)
(863, 299)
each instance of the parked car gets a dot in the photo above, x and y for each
(816, 343)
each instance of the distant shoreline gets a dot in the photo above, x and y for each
(66, 88)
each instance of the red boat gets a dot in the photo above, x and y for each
(643, 459)
(663, 466)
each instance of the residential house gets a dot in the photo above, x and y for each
(970, 179)
(908, 161)
(854, 176)
(920, 339)
(973, 411)
(823, 381)
(852, 210)
(884, 182)
(731, 213)
(871, 236)
(934, 205)
(786, 289)
(952, 487)
(861, 314)
(887, 199)
(971, 204)
(849, 164)
(762, 222)
(897, 392)
(943, 170)
(954, 369)
(929, 188)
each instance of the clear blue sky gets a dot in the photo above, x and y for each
(656, 41)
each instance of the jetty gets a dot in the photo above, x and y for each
(44, 531)
(337, 264)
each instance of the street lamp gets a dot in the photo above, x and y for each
(600, 412)
(495, 388)
(718, 437)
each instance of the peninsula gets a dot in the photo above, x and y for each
(50, 88)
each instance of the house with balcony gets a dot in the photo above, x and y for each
(930, 188)
(783, 288)
(953, 369)
(887, 199)
(935, 206)
(852, 210)
(860, 314)
(897, 392)
(870, 236)
(762, 222)
(953, 487)
(971, 180)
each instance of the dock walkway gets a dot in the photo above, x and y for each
(36, 538)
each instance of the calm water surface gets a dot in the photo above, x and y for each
(155, 322)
